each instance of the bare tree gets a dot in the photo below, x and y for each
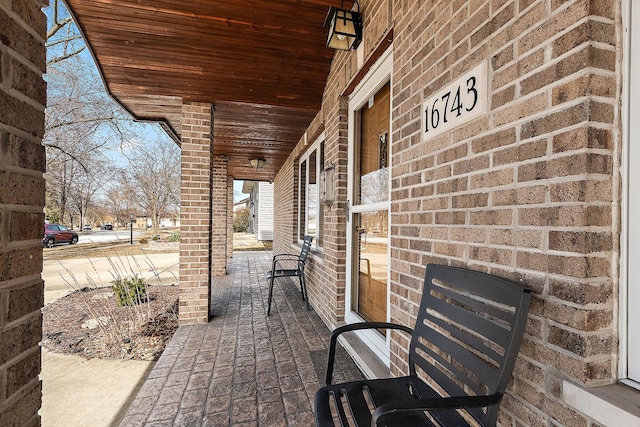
(82, 121)
(117, 198)
(83, 190)
(63, 39)
(83, 125)
(154, 179)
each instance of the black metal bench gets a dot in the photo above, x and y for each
(461, 356)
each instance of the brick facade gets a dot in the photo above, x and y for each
(528, 191)
(22, 164)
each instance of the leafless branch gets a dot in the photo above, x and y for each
(57, 25)
(57, 147)
(79, 121)
(65, 56)
(67, 40)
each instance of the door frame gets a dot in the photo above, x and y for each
(630, 129)
(379, 75)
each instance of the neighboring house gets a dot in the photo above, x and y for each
(144, 221)
(260, 208)
(241, 204)
(170, 222)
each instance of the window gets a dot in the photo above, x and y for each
(310, 210)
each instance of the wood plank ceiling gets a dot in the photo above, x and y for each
(263, 64)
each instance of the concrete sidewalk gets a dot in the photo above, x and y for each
(81, 392)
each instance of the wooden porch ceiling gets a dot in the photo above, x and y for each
(263, 64)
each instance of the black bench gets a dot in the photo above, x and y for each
(462, 353)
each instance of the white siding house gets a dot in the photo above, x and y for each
(260, 208)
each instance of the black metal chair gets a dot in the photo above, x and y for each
(461, 356)
(290, 265)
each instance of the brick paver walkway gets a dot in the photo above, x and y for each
(242, 368)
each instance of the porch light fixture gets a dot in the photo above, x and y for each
(345, 27)
(257, 163)
(327, 185)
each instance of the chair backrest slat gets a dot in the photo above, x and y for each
(467, 342)
(460, 373)
(450, 378)
(487, 307)
(471, 321)
(304, 251)
(470, 324)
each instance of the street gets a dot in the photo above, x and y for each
(98, 236)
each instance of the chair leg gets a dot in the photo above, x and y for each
(301, 280)
(303, 286)
(270, 294)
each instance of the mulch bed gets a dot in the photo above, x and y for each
(89, 322)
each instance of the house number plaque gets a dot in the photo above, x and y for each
(458, 103)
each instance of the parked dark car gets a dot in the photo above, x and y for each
(58, 233)
(106, 227)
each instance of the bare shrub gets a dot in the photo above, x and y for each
(90, 321)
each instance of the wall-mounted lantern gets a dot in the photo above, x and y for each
(327, 185)
(345, 27)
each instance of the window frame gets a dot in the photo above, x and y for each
(302, 213)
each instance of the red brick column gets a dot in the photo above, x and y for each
(195, 213)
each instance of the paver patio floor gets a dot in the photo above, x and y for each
(242, 368)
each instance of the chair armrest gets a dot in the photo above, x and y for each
(354, 327)
(433, 404)
(282, 257)
(288, 259)
(288, 255)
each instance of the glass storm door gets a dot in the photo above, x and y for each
(372, 251)
(369, 214)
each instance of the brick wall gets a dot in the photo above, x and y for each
(195, 212)
(285, 205)
(22, 164)
(528, 191)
